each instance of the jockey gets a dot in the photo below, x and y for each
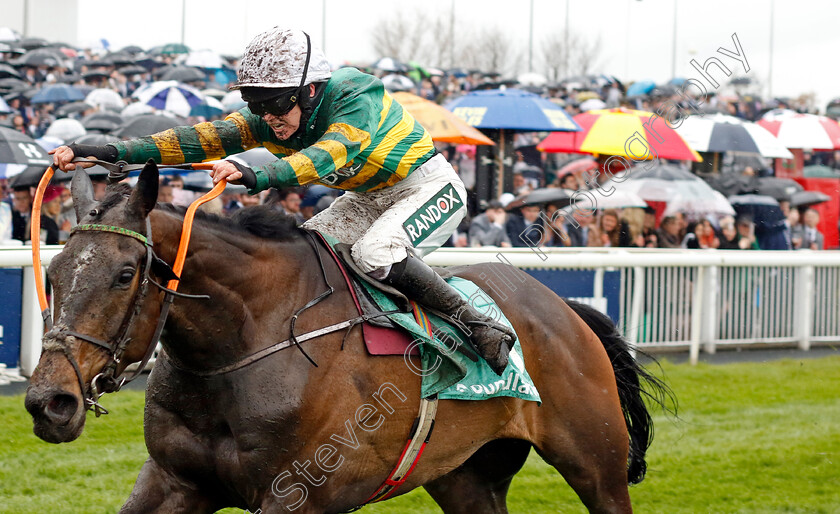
(402, 199)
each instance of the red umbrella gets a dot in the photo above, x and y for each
(638, 135)
(796, 130)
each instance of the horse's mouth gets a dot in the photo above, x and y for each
(56, 418)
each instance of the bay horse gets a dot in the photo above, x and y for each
(248, 438)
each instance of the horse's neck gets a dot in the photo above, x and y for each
(253, 287)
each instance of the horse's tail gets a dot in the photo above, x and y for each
(629, 376)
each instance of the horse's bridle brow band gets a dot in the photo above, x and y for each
(109, 228)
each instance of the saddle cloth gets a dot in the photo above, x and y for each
(449, 366)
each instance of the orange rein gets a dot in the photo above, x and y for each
(180, 257)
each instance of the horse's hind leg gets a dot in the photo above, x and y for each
(589, 447)
(158, 491)
(480, 484)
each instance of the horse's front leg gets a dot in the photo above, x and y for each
(159, 491)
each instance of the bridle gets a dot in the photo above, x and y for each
(107, 381)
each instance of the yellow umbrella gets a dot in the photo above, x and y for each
(441, 123)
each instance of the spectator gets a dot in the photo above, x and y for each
(746, 233)
(165, 194)
(649, 228)
(21, 212)
(669, 233)
(729, 235)
(524, 229)
(634, 217)
(488, 229)
(706, 236)
(51, 208)
(569, 181)
(811, 237)
(797, 230)
(520, 187)
(614, 232)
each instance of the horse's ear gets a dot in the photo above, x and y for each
(145, 193)
(82, 191)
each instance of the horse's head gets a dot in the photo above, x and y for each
(98, 280)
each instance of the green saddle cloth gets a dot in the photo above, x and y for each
(451, 374)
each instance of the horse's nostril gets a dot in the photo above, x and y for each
(61, 408)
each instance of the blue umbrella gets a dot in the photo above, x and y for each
(57, 93)
(640, 88)
(511, 109)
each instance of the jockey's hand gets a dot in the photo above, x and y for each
(64, 155)
(235, 173)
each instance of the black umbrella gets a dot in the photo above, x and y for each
(68, 109)
(547, 195)
(20, 154)
(184, 74)
(779, 188)
(662, 171)
(102, 121)
(118, 59)
(32, 43)
(13, 84)
(133, 70)
(68, 78)
(145, 125)
(131, 49)
(7, 71)
(8, 48)
(808, 198)
(40, 57)
(95, 75)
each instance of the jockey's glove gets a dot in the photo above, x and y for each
(249, 178)
(107, 153)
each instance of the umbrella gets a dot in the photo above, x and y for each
(11, 83)
(511, 109)
(640, 88)
(578, 166)
(390, 64)
(184, 74)
(808, 198)
(95, 75)
(105, 99)
(209, 108)
(7, 71)
(31, 43)
(117, 59)
(8, 34)
(618, 199)
(233, 101)
(204, 59)
(820, 171)
(542, 196)
(763, 210)
(170, 96)
(532, 79)
(20, 153)
(57, 93)
(174, 48)
(442, 124)
(145, 125)
(131, 49)
(622, 132)
(699, 206)
(668, 183)
(721, 133)
(40, 57)
(68, 109)
(132, 70)
(66, 129)
(796, 130)
(102, 121)
(592, 104)
(778, 188)
(394, 82)
(136, 109)
(4, 107)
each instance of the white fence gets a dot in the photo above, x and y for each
(668, 299)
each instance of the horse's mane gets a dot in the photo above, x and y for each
(259, 220)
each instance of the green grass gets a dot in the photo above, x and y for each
(753, 438)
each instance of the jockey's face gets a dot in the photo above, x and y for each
(286, 125)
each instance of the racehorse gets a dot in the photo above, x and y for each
(247, 438)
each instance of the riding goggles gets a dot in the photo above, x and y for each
(278, 106)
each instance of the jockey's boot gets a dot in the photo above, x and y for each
(418, 281)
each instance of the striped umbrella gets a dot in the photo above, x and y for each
(796, 130)
(171, 96)
(442, 124)
(722, 133)
(638, 135)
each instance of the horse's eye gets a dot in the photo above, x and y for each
(126, 276)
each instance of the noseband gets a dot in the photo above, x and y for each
(107, 380)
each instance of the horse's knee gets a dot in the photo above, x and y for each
(157, 491)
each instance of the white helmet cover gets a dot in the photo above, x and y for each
(276, 59)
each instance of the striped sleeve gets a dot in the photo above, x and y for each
(352, 121)
(198, 143)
